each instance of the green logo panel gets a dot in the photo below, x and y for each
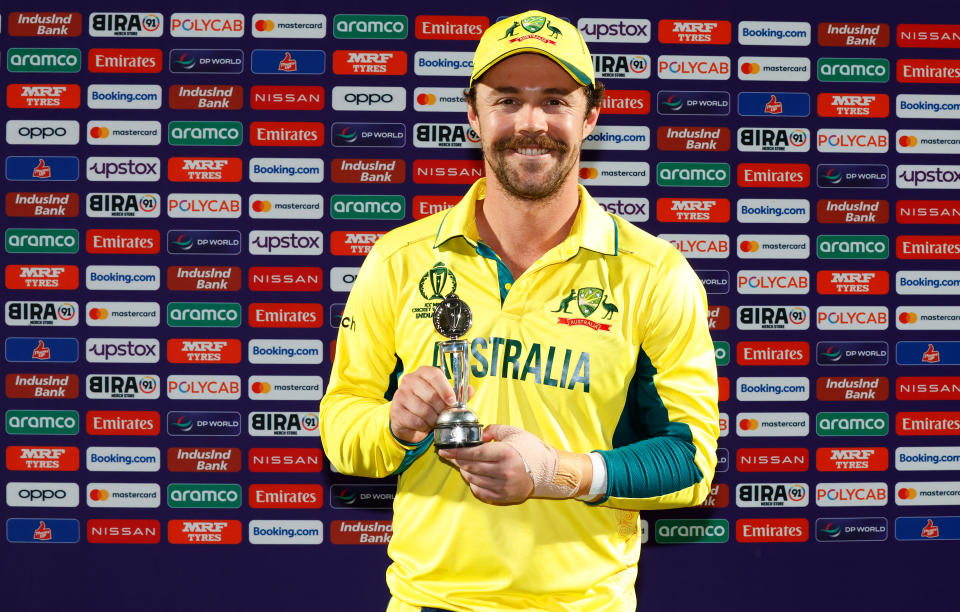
(721, 350)
(853, 423)
(42, 422)
(368, 207)
(692, 531)
(370, 26)
(181, 495)
(853, 70)
(687, 174)
(205, 133)
(204, 314)
(43, 60)
(36, 240)
(853, 247)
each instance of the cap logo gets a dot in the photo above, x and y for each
(533, 23)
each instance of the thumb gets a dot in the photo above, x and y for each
(498, 432)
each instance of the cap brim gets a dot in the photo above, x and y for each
(577, 75)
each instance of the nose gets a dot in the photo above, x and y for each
(531, 119)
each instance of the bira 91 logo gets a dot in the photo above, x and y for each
(670, 210)
(140, 205)
(261, 278)
(44, 24)
(41, 277)
(204, 531)
(773, 530)
(43, 458)
(773, 353)
(199, 350)
(43, 96)
(353, 242)
(772, 495)
(57, 314)
(852, 388)
(126, 61)
(853, 211)
(853, 105)
(621, 66)
(773, 317)
(627, 102)
(285, 460)
(853, 282)
(859, 459)
(123, 387)
(693, 32)
(449, 27)
(796, 140)
(284, 424)
(205, 169)
(380, 63)
(126, 25)
(195, 97)
(287, 97)
(773, 460)
(187, 459)
(203, 278)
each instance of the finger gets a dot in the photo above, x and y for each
(409, 420)
(498, 432)
(425, 394)
(470, 391)
(495, 471)
(486, 495)
(484, 482)
(482, 452)
(438, 382)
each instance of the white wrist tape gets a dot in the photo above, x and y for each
(556, 474)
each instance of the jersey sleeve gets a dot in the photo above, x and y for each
(355, 411)
(665, 443)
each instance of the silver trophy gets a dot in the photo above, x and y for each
(457, 426)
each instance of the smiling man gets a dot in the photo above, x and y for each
(590, 359)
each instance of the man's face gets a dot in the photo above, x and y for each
(531, 118)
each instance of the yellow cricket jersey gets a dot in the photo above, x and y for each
(602, 344)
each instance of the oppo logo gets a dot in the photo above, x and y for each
(368, 99)
(44, 132)
(41, 494)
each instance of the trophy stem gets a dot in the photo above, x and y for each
(456, 426)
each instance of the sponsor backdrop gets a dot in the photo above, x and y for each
(189, 196)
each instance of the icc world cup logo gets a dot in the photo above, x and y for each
(434, 284)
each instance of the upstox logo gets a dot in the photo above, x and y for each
(853, 70)
(686, 531)
(180, 495)
(687, 174)
(43, 60)
(200, 314)
(205, 133)
(853, 247)
(370, 26)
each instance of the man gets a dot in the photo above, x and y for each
(531, 519)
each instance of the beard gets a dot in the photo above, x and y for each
(525, 185)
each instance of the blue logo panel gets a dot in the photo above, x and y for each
(42, 168)
(863, 176)
(190, 423)
(287, 61)
(28, 530)
(928, 353)
(368, 134)
(715, 281)
(908, 528)
(723, 460)
(183, 61)
(40, 350)
(693, 102)
(866, 529)
(773, 104)
(203, 242)
(853, 353)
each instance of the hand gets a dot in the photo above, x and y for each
(515, 465)
(422, 395)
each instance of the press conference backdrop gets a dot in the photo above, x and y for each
(189, 196)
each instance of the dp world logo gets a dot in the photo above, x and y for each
(346, 134)
(185, 62)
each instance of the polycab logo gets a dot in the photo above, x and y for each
(205, 169)
(773, 104)
(853, 106)
(221, 460)
(923, 387)
(194, 97)
(285, 278)
(853, 282)
(772, 495)
(621, 66)
(852, 141)
(846, 176)
(776, 424)
(204, 531)
(41, 277)
(198, 350)
(753, 68)
(285, 460)
(773, 175)
(286, 134)
(284, 424)
(285, 496)
(127, 61)
(123, 531)
(615, 173)
(843, 318)
(853, 35)
(626, 102)
(379, 63)
(44, 24)
(123, 423)
(928, 71)
(285, 315)
(795, 282)
(381, 170)
(751, 210)
(796, 140)
(614, 30)
(852, 388)
(916, 282)
(123, 242)
(909, 141)
(353, 242)
(207, 25)
(773, 353)
(43, 96)
(117, 386)
(699, 67)
(773, 317)
(439, 171)
(693, 32)
(764, 246)
(693, 138)
(928, 317)
(631, 209)
(203, 278)
(43, 458)
(853, 211)
(439, 100)
(190, 387)
(670, 210)
(693, 102)
(774, 33)
(940, 36)
(449, 27)
(287, 97)
(773, 530)
(928, 247)
(125, 25)
(286, 25)
(846, 494)
(773, 460)
(204, 205)
(927, 424)
(705, 246)
(852, 353)
(870, 459)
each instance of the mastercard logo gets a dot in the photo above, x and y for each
(426, 99)
(99, 132)
(260, 387)
(907, 493)
(750, 68)
(749, 424)
(908, 317)
(908, 141)
(264, 25)
(589, 173)
(99, 314)
(99, 494)
(749, 246)
(261, 206)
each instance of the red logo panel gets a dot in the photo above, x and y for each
(127, 61)
(123, 242)
(285, 279)
(693, 32)
(41, 277)
(285, 315)
(626, 102)
(773, 460)
(376, 63)
(37, 95)
(123, 531)
(204, 531)
(286, 97)
(871, 459)
(773, 353)
(450, 27)
(773, 530)
(285, 460)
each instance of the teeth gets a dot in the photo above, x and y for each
(532, 151)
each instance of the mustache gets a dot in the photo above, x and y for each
(541, 141)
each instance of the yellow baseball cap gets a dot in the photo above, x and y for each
(534, 32)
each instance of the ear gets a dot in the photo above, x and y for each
(472, 118)
(590, 122)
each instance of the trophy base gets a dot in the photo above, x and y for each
(457, 435)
